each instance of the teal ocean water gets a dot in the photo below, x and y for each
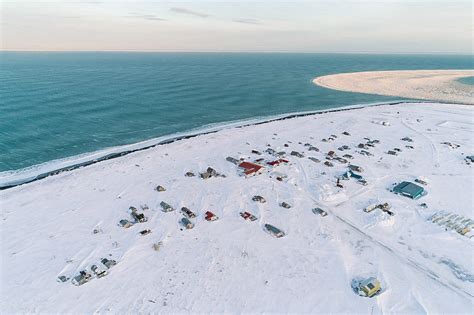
(60, 105)
(467, 80)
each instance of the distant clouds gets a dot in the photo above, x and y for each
(248, 21)
(190, 12)
(148, 17)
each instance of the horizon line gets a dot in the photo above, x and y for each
(240, 51)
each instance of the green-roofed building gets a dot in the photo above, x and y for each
(410, 190)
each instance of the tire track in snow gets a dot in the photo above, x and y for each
(427, 272)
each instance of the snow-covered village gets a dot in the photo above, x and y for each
(365, 210)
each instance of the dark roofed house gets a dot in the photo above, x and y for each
(410, 190)
(277, 162)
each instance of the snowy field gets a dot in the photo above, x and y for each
(440, 85)
(66, 223)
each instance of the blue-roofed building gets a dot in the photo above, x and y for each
(410, 190)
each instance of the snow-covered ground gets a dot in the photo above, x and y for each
(439, 85)
(66, 223)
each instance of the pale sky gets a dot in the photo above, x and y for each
(398, 26)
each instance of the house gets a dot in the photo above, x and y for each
(285, 205)
(62, 279)
(188, 213)
(138, 217)
(348, 156)
(341, 160)
(232, 160)
(125, 223)
(210, 172)
(313, 148)
(210, 216)
(297, 154)
(189, 174)
(409, 190)
(248, 216)
(274, 230)
(330, 155)
(186, 223)
(256, 152)
(250, 169)
(270, 151)
(369, 287)
(315, 160)
(355, 168)
(354, 175)
(109, 263)
(319, 211)
(81, 278)
(166, 207)
(160, 188)
(327, 163)
(366, 153)
(277, 162)
(145, 232)
(99, 272)
(346, 133)
(259, 199)
(391, 152)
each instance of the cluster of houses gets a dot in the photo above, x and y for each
(247, 168)
(96, 271)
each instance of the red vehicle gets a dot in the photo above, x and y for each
(248, 216)
(211, 216)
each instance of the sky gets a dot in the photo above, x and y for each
(377, 26)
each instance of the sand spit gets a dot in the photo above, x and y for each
(439, 85)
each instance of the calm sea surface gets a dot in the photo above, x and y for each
(59, 105)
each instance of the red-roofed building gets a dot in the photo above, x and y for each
(277, 162)
(250, 169)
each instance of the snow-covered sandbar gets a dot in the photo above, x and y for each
(66, 223)
(434, 85)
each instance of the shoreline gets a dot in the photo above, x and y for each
(428, 85)
(26, 179)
